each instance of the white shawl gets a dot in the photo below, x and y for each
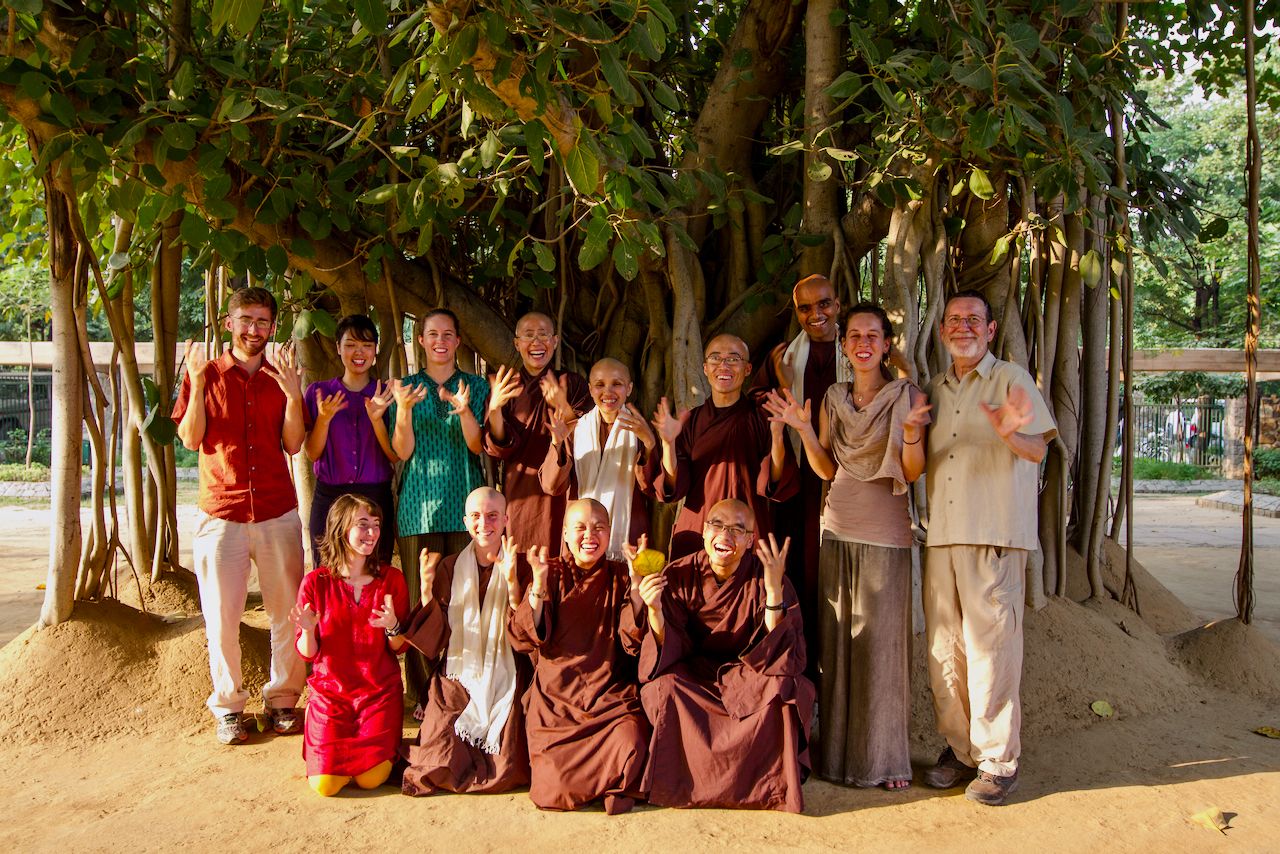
(606, 474)
(479, 656)
(795, 358)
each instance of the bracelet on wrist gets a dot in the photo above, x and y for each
(781, 606)
(916, 442)
(536, 595)
(394, 631)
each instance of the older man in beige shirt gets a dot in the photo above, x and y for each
(991, 430)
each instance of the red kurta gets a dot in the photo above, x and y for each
(533, 517)
(728, 700)
(721, 453)
(355, 709)
(441, 760)
(588, 736)
(557, 477)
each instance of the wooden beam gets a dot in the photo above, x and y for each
(17, 353)
(1206, 360)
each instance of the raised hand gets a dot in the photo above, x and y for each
(458, 402)
(783, 408)
(505, 562)
(427, 563)
(506, 387)
(537, 556)
(667, 425)
(555, 391)
(377, 405)
(630, 419)
(1011, 416)
(629, 552)
(196, 360)
(917, 419)
(407, 395)
(304, 618)
(385, 617)
(288, 372)
(559, 429)
(774, 561)
(327, 407)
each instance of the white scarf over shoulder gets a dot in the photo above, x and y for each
(606, 473)
(795, 358)
(479, 656)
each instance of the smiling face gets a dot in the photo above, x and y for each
(966, 330)
(363, 533)
(727, 534)
(586, 532)
(251, 327)
(357, 356)
(536, 342)
(439, 339)
(816, 308)
(610, 385)
(865, 344)
(486, 518)
(726, 364)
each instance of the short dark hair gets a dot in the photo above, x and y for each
(358, 326)
(252, 296)
(439, 312)
(969, 294)
(869, 308)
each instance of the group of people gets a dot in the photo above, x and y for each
(543, 649)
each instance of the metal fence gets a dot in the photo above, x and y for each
(14, 410)
(1188, 433)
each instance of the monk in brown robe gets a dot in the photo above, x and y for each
(722, 669)
(588, 736)
(472, 735)
(520, 405)
(725, 448)
(602, 456)
(807, 365)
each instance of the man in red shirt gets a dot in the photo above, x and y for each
(245, 415)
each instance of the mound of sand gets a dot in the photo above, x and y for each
(174, 593)
(114, 671)
(1230, 655)
(1160, 608)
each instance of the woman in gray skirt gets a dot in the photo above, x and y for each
(869, 442)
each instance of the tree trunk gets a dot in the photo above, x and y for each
(821, 194)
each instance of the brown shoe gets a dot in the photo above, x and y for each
(991, 790)
(285, 721)
(949, 772)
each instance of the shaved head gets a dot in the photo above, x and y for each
(482, 494)
(732, 505)
(816, 306)
(588, 505)
(534, 317)
(608, 364)
(723, 341)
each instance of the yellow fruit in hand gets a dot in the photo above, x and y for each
(649, 561)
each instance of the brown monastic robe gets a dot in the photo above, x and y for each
(588, 736)
(558, 478)
(721, 453)
(441, 760)
(729, 703)
(534, 518)
(800, 516)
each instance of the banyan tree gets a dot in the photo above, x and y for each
(647, 172)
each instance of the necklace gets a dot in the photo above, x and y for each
(861, 397)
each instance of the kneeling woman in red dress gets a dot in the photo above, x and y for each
(349, 616)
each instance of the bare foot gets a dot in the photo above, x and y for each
(895, 785)
(418, 712)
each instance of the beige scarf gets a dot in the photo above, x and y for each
(479, 656)
(606, 474)
(867, 442)
(795, 358)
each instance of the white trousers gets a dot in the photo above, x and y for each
(973, 610)
(223, 551)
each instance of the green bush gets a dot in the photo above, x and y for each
(13, 447)
(1144, 469)
(1266, 463)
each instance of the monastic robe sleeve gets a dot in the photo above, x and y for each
(768, 666)
(516, 438)
(787, 485)
(632, 626)
(556, 471)
(657, 658)
(526, 637)
(428, 630)
(655, 481)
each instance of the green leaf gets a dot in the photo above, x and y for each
(372, 15)
(421, 100)
(1000, 251)
(616, 76)
(184, 80)
(819, 171)
(118, 261)
(596, 247)
(161, 428)
(378, 195)
(546, 260)
(984, 129)
(179, 136)
(1213, 229)
(25, 7)
(277, 259)
(324, 322)
(625, 260)
(583, 169)
(1091, 268)
(980, 185)
(840, 154)
(533, 143)
(150, 393)
(241, 15)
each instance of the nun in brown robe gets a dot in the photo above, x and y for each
(587, 733)
(725, 449)
(443, 759)
(723, 679)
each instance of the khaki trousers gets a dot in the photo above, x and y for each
(223, 552)
(973, 610)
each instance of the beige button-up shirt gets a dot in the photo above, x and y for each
(980, 492)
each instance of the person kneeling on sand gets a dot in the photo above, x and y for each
(348, 620)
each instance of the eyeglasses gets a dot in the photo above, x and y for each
(731, 360)
(247, 323)
(734, 531)
(972, 321)
(540, 337)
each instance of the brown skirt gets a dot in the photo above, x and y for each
(864, 637)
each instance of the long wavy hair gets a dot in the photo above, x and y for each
(335, 553)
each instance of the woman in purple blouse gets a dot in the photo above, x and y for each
(347, 432)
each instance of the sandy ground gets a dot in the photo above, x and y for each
(1129, 784)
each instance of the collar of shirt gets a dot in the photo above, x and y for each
(226, 362)
(983, 368)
